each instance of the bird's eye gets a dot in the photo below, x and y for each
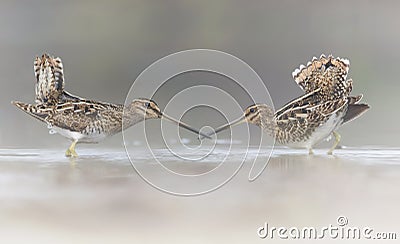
(147, 104)
(252, 110)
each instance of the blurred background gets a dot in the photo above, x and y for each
(105, 45)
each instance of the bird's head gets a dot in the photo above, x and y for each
(142, 108)
(257, 114)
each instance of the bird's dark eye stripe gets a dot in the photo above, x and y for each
(252, 111)
(253, 116)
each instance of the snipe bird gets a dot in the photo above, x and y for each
(82, 120)
(314, 116)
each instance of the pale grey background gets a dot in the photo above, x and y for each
(106, 44)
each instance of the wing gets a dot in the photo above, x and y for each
(354, 111)
(328, 73)
(49, 79)
(82, 116)
(66, 96)
(38, 111)
(300, 117)
(355, 99)
(86, 116)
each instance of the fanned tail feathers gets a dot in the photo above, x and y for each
(328, 73)
(49, 76)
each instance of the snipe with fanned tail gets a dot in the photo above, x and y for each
(82, 120)
(314, 116)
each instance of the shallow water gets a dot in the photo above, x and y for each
(99, 197)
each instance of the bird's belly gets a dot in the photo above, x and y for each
(80, 137)
(320, 133)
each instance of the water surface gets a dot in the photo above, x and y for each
(100, 196)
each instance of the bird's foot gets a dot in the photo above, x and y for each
(335, 144)
(70, 153)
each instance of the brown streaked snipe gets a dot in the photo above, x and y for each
(314, 116)
(82, 120)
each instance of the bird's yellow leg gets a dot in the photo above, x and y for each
(337, 140)
(310, 151)
(71, 150)
(68, 153)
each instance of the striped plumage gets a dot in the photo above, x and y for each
(49, 76)
(327, 74)
(50, 81)
(311, 118)
(82, 120)
(91, 121)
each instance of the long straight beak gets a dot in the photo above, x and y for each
(228, 125)
(183, 125)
